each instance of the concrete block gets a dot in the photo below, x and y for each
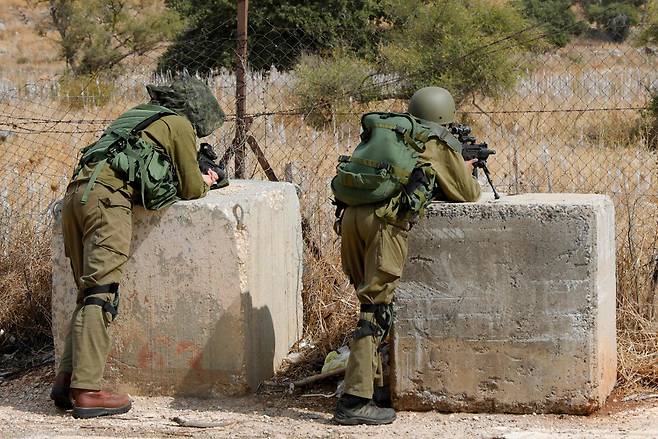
(211, 295)
(508, 306)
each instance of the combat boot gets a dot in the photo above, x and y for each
(352, 410)
(61, 391)
(382, 396)
(93, 403)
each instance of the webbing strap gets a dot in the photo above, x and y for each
(365, 328)
(411, 143)
(388, 126)
(97, 289)
(383, 314)
(107, 306)
(398, 172)
(148, 121)
(445, 135)
(92, 180)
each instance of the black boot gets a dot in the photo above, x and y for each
(382, 396)
(353, 410)
(61, 391)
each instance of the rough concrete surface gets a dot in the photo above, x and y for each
(211, 295)
(508, 306)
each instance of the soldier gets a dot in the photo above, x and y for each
(148, 156)
(374, 243)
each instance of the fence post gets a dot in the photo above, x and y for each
(240, 92)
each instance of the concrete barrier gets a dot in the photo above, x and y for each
(211, 297)
(508, 306)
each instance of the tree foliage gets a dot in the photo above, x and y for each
(330, 85)
(279, 31)
(466, 46)
(558, 19)
(649, 32)
(615, 18)
(96, 35)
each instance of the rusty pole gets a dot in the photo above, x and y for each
(240, 90)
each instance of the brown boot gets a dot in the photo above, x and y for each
(61, 391)
(93, 403)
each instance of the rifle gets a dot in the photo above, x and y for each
(472, 150)
(206, 158)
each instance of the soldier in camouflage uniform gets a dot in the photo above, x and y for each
(374, 251)
(97, 234)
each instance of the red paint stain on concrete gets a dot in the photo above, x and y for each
(195, 361)
(185, 345)
(144, 357)
(163, 340)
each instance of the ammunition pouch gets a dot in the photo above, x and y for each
(109, 307)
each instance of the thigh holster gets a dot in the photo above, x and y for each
(110, 307)
(383, 319)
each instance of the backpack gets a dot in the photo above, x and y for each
(133, 158)
(385, 164)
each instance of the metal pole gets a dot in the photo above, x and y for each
(240, 90)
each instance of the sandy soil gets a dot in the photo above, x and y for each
(26, 412)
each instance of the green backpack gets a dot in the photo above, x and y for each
(386, 163)
(133, 158)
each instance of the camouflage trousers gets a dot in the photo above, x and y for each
(373, 254)
(97, 238)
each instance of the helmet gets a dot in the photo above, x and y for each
(434, 104)
(193, 99)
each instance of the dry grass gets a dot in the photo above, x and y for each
(25, 285)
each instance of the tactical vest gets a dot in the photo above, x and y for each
(133, 158)
(386, 164)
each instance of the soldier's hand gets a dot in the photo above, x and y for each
(470, 164)
(210, 178)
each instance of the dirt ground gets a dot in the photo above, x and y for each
(26, 412)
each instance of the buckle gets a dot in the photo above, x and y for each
(384, 165)
(344, 159)
(400, 130)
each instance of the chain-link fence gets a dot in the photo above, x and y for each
(574, 122)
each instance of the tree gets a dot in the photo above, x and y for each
(96, 35)
(556, 16)
(279, 31)
(470, 46)
(614, 18)
(467, 46)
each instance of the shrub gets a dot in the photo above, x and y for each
(465, 46)
(614, 18)
(648, 35)
(328, 86)
(558, 19)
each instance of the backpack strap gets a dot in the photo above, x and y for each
(92, 180)
(442, 133)
(399, 173)
(410, 139)
(124, 138)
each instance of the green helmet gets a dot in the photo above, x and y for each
(434, 104)
(191, 98)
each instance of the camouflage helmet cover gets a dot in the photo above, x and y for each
(191, 98)
(434, 104)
